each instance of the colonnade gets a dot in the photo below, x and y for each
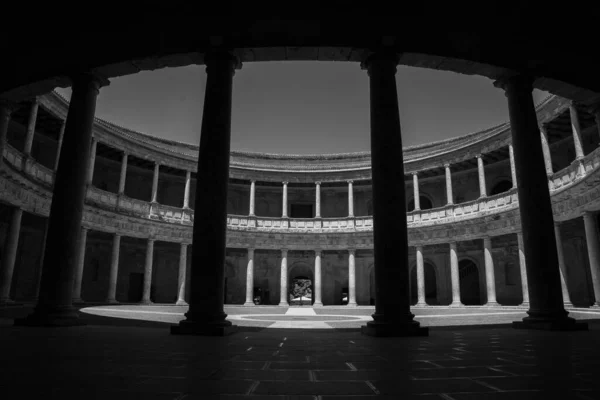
(392, 315)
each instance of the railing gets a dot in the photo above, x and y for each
(177, 215)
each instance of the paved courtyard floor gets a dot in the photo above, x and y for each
(470, 353)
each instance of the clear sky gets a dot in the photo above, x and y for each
(303, 107)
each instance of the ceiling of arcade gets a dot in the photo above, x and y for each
(462, 38)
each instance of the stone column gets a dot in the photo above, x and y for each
(523, 269)
(562, 265)
(481, 172)
(513, 170)
(61, 134)
(593, 247)
(80, 264)
(420, 278)
(250, 278)
(490, 279)
(155, 182)
(317, 199)
(207, 274)
(38, 277)
(576, 128)
(90, 175)
(123, 176)
(10, 255)
(454, 276)
(546, 149)
(543, 274)
(6, 109)
(351, 278)
(148, 272)
(392, 315)
(181, 278)
(31, 127)
(318, 301)
(284, 213)
(449, 195)
(252, 199)
(596, 113)
(416, 191)
(350, 199)
(111, 296)
(55, 304)
(186, 191)
(283, 297)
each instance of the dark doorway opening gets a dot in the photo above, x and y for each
(136, 287)
(469, 283)
(301, 211)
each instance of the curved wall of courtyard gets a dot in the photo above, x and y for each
(143, 188)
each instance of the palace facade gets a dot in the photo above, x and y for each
(301, 216)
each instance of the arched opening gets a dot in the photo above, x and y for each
(424, 202)
(300, 285)
(469, 282)
(501, 187)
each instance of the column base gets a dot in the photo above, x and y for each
(181, 303)
(249, 304)
(284, 304)
(319, 304)
(549, 324)
(568, 304)
(423, 304)
(222, 328)
(492, 304)
(351, 305)
(78, 301)
(146, 302)
(67, 316)
(456, 304)
(9, 303)
(387, 329)
(524, 305)
(111, 301)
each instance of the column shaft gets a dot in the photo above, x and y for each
(350, 200)
(351, 278)
(252, 197)
(10, 255)
(186, 191)
(181, 278)
(123, 176)
(490, 279)
(546, 150)
(449, 195)
(148, 272)
(250, 279)
(481, 172)
(284, 206)
(576, 128)
(206, 315)
(513, 170)
(80, 264)
(523, 269)
(543, 274)
(420, 278)
(113, 274)
(6, 109)
(593, 247)
(61, 134)
(90, 175)
(562, 265)
(317, 199)
(155, 182)
(283, 296)
(31, 127)
(454, 275)
(417, 197)
(392, 315)
(55, 305)
(318, 301)
(38, 277)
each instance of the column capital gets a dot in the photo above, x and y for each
(94, 81)
(415, 173)
(350, 180)
(151, 239)
(585, 213)
(479, 155)
(285, 183)
(506, 81)
(284, 252)
(419, 248)
(318, 183)
(117, 234)
(125, 153)
(446, 165)
(318, 252)
(7, 107)
(381, 54)
(352, 251)
(251, 251)
(253, 181)
(217, 55)
(184, 244)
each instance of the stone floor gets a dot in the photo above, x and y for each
(124, 358)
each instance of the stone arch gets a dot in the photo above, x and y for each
(425, 201)
(470, 275)
(501, 185)
(431, 282)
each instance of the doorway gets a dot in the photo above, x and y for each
(469, 283)
(301, 291)
(136, 287)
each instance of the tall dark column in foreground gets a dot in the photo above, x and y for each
(546, 309)
(206, 315)
(54, 307)
(392, 315)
